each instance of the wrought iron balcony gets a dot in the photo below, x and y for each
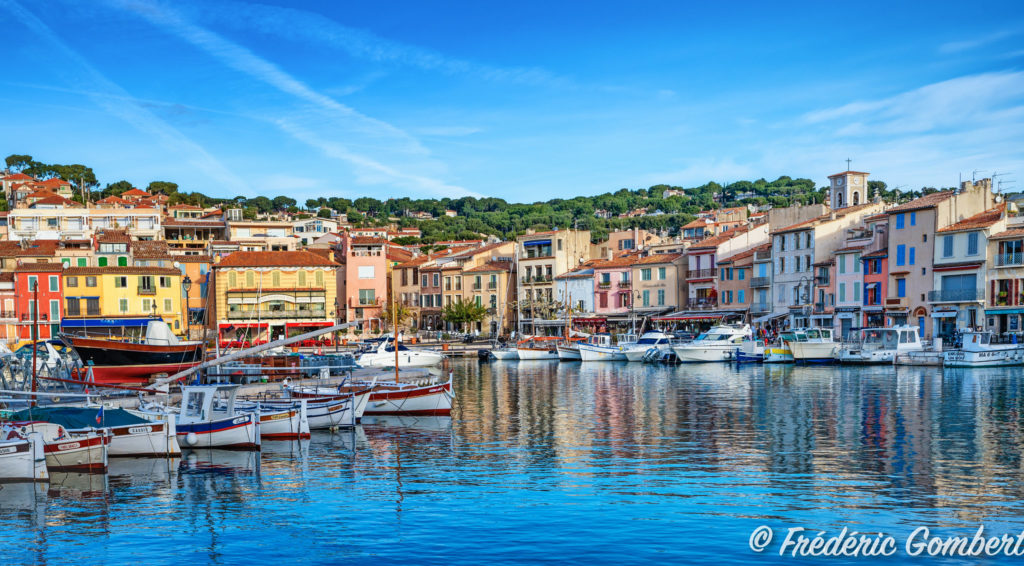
(701, 274)
(760, 307)
(956, 295)
(1006, 259)
(701, 303)
(147, 290)
(760, 282)
(276, 314)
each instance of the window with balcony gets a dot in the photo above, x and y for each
(92, 307)
(367, 297)
(73, 307)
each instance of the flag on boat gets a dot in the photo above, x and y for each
(99, 416)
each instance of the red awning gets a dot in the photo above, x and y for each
(224, 325)
(300, 324)
(590, 320)
(694, 317)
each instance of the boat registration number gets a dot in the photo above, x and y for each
(140, 430)
(240, 420)
(69, 446)
(8, 450)
(955, 356)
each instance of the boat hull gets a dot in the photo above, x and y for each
(777, 356)
(85, 453)
(984, 358)
(153, 440)
(408, 359)
(697, 354)
(590, 353)
(865, 357)
(537, 353)
(502, 354)
(814, 352)
(123, 362)
(638, 354)
(23, 460)
(567, 354)
(289, 424)
(406, 399)
(240, 432)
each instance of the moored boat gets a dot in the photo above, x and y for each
(979, 350)
(123, 361)
(779, 353)
(813, 346)
(384, 356)
(199, 425)
(130, 434)
(880, 345)
(650, 346)
(66, 452)
(432, 398)
(538, 348)
(751, 350)
(22, 456)
(504, 354)
(716, 345)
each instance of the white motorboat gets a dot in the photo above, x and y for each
(979, 351)
(880, 345)
(652, 346)
(813, 346)
(538, 348)
(504, 354)
(718, 344)
(22, 456)
(201, 425)
(569, 352)
(424, 397)
(384, 357)
(599, 348)
(751, 350)
(131, 435)
(67, 452)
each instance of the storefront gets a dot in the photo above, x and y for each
(244, 333)
(1004, 321)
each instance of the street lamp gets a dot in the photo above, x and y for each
(186, 285)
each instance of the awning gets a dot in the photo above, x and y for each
(944, 314)
(774, 315)
(303, 324)
(224, 325)
(823, 316)
(590, 320)
(104, 322)
(1004, 311)
(846, 315)
(688, 317)
(538, 243)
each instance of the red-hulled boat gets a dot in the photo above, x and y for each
(122, 361)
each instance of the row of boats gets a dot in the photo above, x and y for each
(900, 345)
(80, 438)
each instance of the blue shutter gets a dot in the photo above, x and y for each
(913, 219)
(899, 221)
(901, 254)
(912, 250)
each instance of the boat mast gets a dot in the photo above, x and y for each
(35, 336)
(394, 322)
(519, 300)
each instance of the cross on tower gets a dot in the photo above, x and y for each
(848, 163)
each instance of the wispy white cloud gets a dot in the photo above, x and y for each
(117, 102)
(369, 171)
(448, 131)
(358, 43)
(969, 44)
(962, 103)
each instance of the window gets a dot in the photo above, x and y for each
(729, 272)
(72, 282)
(367, 272)
(742, 296)
(661, 297)
(148, 306)
(559, 244)
(901, 288)
(54, 309)
(302, 278)
(740, 273)
(645, 274)
(947, 246)
(856, 293)
(168, 305)
(250, 279)
(842, 292)
(856, 263)
(423, 282)
(54, 283)
(165, 282)
(900, 220)
(662, 273)
(913, 219)
(319, 277)
(721, 273)
(92, 307)
(101, 261)
(911, 260)
(122, 261)
(145, 282)
(901, 254)
(603, 300)
(437, 280)
(73, 307)
(972, 243)
(83, 262)
(841, 259)
(645, 297)
(494, 301)
(275, 279)
(367, 297)
(32, 282)
(122, 305)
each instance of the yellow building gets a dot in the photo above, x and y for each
(261, 296)
(120, 301)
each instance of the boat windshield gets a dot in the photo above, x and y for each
(647, 341)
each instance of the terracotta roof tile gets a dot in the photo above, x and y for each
(275, 259)
(1014, 233)
(367, 240)
(978, 221)
(715, 241)
(133, 192)
(122, 270)
(491, 266)
(876, 254)
(927, 201)
(113, 237)
(56, 199)
(657, 258)
(44, 267)
(18, 177)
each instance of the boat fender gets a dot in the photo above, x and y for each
(728, 354)
(191, 439)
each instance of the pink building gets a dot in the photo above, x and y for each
(613, 285)
(362, 279)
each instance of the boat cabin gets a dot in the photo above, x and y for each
(199, 401)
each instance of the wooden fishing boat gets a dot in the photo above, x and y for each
(131, 435)
(200, 425)
(123, 361)
(22, 456)
(66, 452)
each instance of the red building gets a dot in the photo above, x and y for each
(876, 276)
(50, 297)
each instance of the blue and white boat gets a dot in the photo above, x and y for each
(751, 350)
(653, 346)
(208, 418)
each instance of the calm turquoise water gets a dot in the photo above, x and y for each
(547, 462)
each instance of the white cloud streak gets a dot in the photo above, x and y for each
(117, 102)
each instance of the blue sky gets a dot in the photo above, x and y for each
(524, 101)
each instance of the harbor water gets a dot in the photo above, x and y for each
(597, 463)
